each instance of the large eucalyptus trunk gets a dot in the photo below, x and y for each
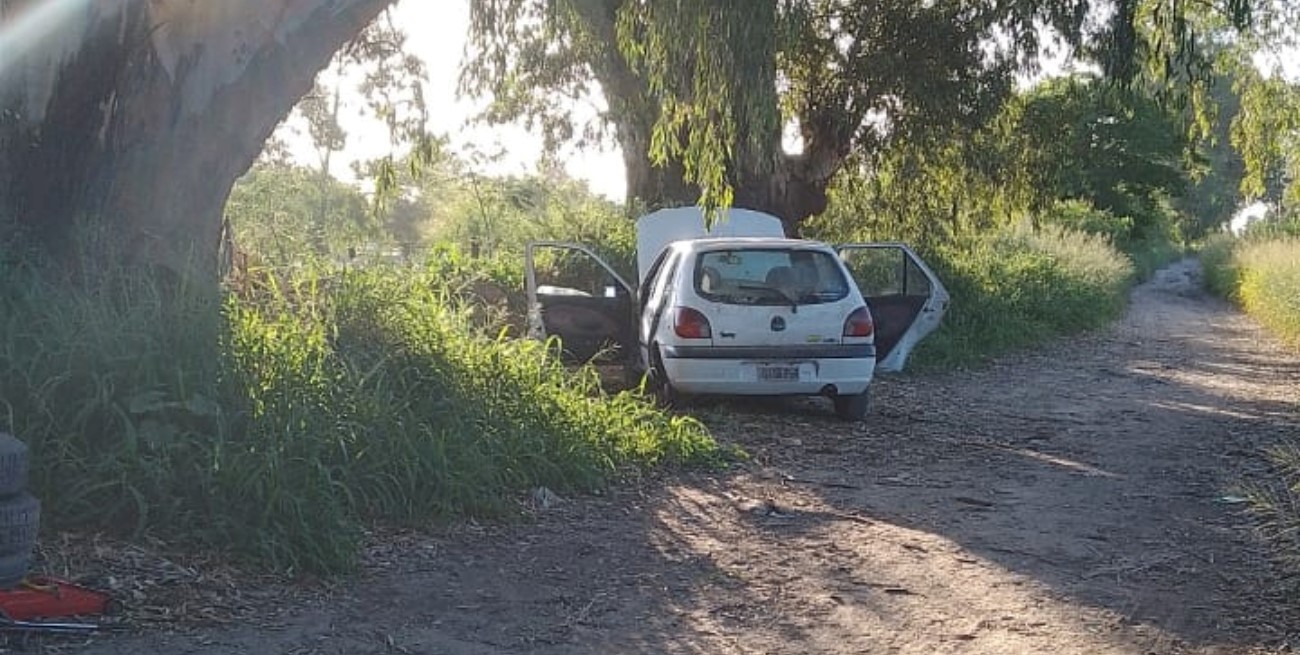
(135, 117)
(790, 187)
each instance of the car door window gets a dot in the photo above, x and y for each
(883, 277)
(652, 278)
(663, 281)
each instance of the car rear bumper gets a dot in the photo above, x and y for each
(741, 377)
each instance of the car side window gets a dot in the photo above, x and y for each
(643, 293)
(664, 278)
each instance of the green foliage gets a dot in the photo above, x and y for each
(1114, 158)
(1263, 276)
(1274, 226)
(1215, 193)
(1082, 216)
(704, 86)
(1012, 287)
(276, 423)
(502, 215)
(1267, 134)
(1216, 257)
(1077, 138)
(288, 214)
(1149, 256)
(1016, 288)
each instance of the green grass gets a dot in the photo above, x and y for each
(278, 423)
(1018, 288)
(1263, 276)
(1216, 259)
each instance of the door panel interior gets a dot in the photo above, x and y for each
(577, 297)
(895, 288)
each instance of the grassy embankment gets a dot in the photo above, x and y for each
(278, 421)
(1263, 277)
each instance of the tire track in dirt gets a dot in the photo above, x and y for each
(1066, 501)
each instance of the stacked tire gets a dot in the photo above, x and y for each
(20, 513)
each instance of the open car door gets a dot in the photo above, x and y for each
(906, 299)
(576, 296)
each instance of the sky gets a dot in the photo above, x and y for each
(437, 33)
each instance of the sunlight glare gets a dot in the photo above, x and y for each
(31, 28)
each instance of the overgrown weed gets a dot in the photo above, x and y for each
(277, 422)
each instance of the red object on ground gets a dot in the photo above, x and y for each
(51, 598)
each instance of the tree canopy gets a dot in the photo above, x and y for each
(705, 89)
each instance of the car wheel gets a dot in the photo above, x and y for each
(657, 382)
(853, 407)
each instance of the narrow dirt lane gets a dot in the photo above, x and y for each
(1077, 500)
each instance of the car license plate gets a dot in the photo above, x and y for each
(778, 373)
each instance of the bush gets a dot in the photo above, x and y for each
(1151, 255)
(1216, 259)
(1264, 278)
(1017, 288)
(1149, 252)
(1083, 216)
(276, 423)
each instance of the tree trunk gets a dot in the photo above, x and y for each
(137, 116)
(792, 188)
(791, 191)
(651, 187)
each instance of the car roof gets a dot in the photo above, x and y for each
(703, 245)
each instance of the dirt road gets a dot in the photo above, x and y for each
(1076, 500)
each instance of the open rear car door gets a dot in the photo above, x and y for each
(574, 295)
(906, 299)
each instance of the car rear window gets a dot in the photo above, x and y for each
(769, 276)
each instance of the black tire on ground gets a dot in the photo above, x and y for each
(657, 382)
(20, 522)
(854, 407)
(13, 465)
(14, 569)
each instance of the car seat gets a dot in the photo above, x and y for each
(781, 278)
(710, 280)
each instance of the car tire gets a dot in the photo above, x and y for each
(657, 382)
(853, 407)
(20, 522)
(13, 465)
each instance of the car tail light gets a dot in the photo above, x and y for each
(691, 324)
(859, 324)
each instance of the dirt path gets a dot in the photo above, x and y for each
(1070, 501)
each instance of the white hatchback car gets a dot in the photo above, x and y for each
(739, 309)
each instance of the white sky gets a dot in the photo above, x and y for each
(437, 32)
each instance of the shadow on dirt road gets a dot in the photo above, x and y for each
(1075, 500)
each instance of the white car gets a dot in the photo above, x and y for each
(741, 310)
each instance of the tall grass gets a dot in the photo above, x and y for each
(277, 423)
(1268, 284)
(1018, 287)
(1263, 276)
(1220, 273)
